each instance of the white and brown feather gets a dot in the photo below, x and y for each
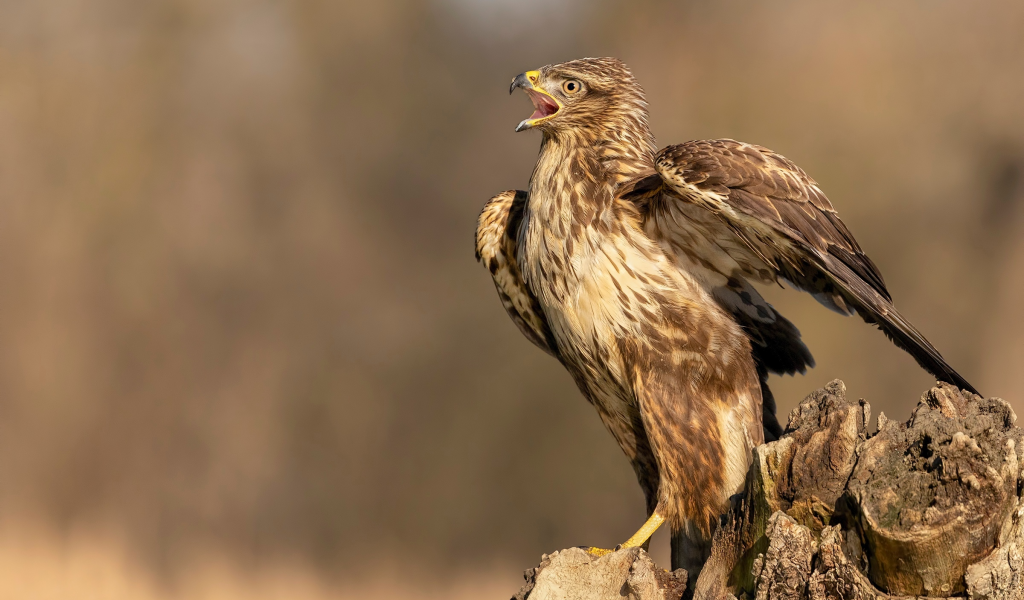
(496, 249)
(778, 224)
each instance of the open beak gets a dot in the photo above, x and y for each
(544, 105)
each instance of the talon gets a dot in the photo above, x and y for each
(638, 539)
(594, 551)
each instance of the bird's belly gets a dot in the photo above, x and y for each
(655, 355)
(602, 382)
(608, 308)
(588, 332)
(594, 359)
(610, 289)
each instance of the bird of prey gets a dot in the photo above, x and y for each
(633, 267)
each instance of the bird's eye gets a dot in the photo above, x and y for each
(571, 87)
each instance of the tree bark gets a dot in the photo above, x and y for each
(927, 508)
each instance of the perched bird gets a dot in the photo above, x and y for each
(632, 266)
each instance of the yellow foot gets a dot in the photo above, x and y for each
(595, 551)
(637, 539)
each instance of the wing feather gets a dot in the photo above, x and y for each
(788, 230)
(496, 248)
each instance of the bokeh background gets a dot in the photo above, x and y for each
(245, 350)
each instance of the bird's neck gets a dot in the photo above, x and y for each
(576, 168)
(618, 153)
(573, 211)
(626, 152)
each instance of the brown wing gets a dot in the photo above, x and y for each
(496, 249)
(783, 226)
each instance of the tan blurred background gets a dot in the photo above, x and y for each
(245, 350)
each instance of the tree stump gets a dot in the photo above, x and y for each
(927, 508)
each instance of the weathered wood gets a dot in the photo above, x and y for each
(838, 577)
(931, 496)
(782, 572)
(804, 474)
(1000, 576)
(926, 508)
(575, 574)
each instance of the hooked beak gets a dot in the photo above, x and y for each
(545, 106)
(522, 80)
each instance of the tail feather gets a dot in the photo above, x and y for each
(879, 310)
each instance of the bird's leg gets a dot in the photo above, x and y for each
(637, 539)
(645, 532)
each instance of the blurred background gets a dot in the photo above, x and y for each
(245, 350)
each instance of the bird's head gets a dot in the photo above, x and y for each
(586, 96)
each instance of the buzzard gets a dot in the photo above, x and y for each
(633, 266)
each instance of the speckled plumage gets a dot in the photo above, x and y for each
(632, 268)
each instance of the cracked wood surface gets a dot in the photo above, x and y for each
(930, 507)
